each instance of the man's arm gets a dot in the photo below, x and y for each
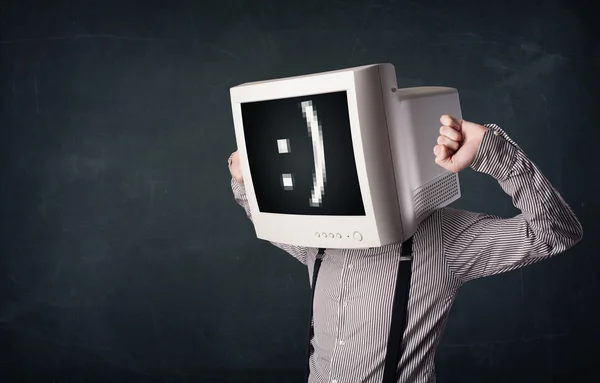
(478, 245)
(239, 193)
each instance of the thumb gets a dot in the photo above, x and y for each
(442, 153)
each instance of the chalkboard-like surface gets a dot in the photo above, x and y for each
(123, 255)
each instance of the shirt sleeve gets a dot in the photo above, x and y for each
(478, 245)
(239, 193)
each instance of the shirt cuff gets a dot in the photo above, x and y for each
(237, 187)
(496, 155)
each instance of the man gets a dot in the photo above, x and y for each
(353, 296)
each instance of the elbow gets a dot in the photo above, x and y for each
(575, 230)
(565, 237)
(577, 233)
(573, 239)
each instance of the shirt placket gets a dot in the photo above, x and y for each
(342, 305)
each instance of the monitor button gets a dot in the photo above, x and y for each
(317, 234)
(338, 235)
(358, 236)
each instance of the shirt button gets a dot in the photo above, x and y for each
(345, 304)
(342, 343)
(350, 266)
(334, 381)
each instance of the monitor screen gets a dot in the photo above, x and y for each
(301, 156)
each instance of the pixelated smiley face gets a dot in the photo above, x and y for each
(301, 156)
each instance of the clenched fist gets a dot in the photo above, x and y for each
(458, 143)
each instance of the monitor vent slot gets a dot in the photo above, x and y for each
(435, 194)
(420, 89)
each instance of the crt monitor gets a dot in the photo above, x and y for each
(341, 159)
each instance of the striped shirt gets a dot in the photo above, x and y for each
(354, 293)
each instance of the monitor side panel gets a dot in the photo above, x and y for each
(435, 194)
(402, 148)
(423, 186)
(434, 186)
(376, 154)
(426, 105)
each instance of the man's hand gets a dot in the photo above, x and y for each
(235, 169)
(458, 143)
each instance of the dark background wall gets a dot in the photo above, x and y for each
(123, 254)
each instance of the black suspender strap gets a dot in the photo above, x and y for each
(394, 350)
(318, 261)
(399, 308)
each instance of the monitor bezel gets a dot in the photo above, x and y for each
(381, 218)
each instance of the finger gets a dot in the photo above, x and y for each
(451, 144)
(448, 120)
(451, 133)
(442, 153)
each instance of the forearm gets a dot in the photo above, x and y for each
(239, 194)
(551, 222)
